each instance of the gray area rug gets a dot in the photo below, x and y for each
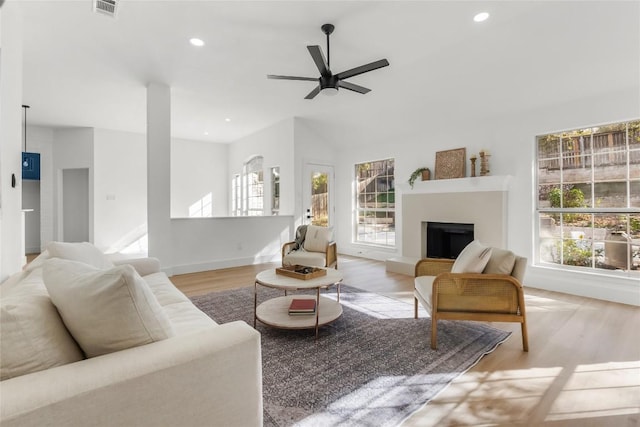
(373, 366)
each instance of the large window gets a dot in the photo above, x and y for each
(588, 183)
(247, 190)
(375, 203)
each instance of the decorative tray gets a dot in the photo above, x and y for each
(301, 272)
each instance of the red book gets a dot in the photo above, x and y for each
(302, 305)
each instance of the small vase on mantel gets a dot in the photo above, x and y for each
(473, 164)
(484, 162)
(426, 174)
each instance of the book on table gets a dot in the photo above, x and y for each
(302, 306)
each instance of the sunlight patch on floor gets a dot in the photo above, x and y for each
(598, 390)
(487, 398)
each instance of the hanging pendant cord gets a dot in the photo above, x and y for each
(25, 127)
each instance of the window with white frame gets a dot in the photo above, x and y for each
(588, 207)
(375, 203)
(253, 187)
(236, 195)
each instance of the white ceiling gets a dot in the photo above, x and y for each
(89, 70)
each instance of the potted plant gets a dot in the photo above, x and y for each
(424, 172)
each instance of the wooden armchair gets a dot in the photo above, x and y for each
(470, 296)
(316, 250)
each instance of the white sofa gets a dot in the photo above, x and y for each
(203, 374)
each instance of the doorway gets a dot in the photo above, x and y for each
(75, 205)
(318, 195)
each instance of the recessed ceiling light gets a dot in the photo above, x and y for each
(196, 42)
(482, 16)
(227, 120)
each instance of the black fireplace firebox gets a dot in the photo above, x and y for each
(447, 239)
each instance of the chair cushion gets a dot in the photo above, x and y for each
(105, 310)
(473, 258)
(317, 238)
(501, 262)
(83, 252)
(423, 290)
(33, 337)
(302, 257)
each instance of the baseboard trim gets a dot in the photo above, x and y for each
(220, 264)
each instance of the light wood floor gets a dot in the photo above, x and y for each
(583, 367)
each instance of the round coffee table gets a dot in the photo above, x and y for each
(275, 311)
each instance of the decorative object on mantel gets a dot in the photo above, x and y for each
(424, 172)
(473, 164)
(484, 162)
(451, 163)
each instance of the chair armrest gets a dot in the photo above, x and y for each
(477, 292)
(433, 266)
(332, 255)
(212, 375)
(287, 247)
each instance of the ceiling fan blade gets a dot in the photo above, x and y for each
(313, 93)
(308, 79)
(362, 69)
(318, 58)
(353, 87)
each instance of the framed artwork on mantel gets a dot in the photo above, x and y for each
(451, 163)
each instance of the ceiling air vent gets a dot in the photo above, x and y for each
(107, 7)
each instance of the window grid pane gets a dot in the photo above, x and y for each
(588, 183)
(375, 203)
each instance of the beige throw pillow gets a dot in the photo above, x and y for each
(473, 258)
(501, 262)
(317, 238)
(105, 310)
(83, 252)
(32, 335)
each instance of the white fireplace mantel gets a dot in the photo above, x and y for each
(458, 185)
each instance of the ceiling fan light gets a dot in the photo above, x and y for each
(329, 91)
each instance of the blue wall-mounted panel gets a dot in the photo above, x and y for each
(31, 166)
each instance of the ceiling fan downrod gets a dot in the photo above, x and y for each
(328, 29)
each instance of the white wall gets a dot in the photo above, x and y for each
(511, 141)
(310, 148)
(73, 149)
(199, 169)
(276, 144)
(120, 189)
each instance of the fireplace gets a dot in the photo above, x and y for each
(447, 239)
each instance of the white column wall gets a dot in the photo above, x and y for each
(159, 172)
(11, 237)
(120, 189)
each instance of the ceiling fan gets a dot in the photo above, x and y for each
(329, 82)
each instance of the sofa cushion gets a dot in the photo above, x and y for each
(83, 252)
(501, 262)
(32, 335)
(302, 257)
(105, 310)
(473, 258)
(185, 317)
(317, 238)
(423, 288)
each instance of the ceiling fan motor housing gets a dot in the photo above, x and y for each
(329, 82)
